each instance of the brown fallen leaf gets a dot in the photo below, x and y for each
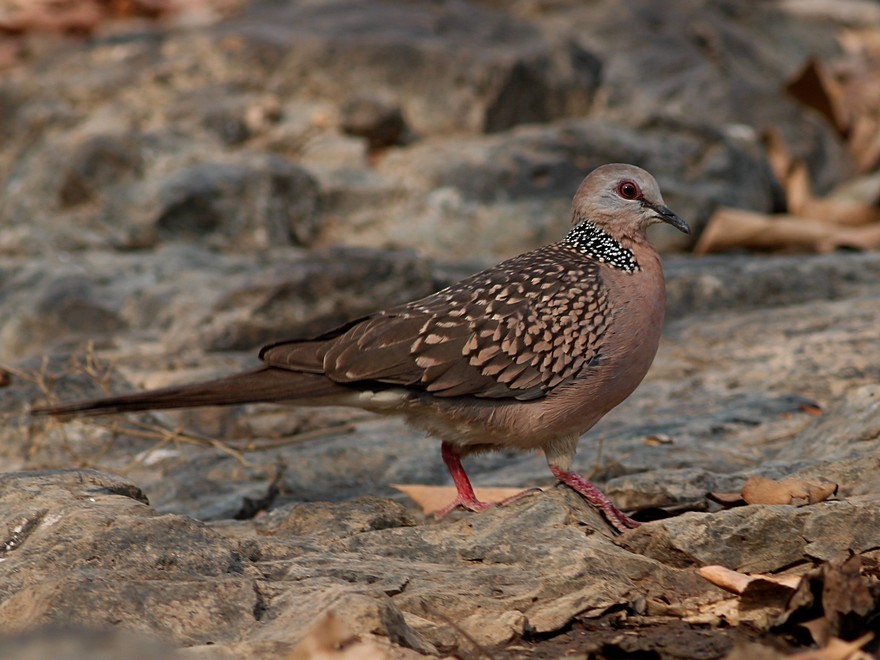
(838, 208)
(814, 86)
(761, 598)
(838, 649)
(760, 490)
(60, 16)
(727, 500)
(434, 498)
(736, 582)
(811, 409)
(864, 142)
(730, 228)
(859, 238)
(778, 155)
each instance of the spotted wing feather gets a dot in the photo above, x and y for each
(517, 331)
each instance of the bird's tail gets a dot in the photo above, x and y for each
(264, 385)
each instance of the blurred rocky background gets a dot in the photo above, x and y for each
(184, 180)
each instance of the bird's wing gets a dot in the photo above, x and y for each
(514, 331)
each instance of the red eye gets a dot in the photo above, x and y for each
(628, 189)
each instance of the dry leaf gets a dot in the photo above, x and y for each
(726, 499)
(837, 649)
(736, 582)
(736, 228)
(835, 209)
(798, 189)
(780, 159)
(434, 498)
(818, 629)
(762, 598)
(864, 143)
(815, 87)
(760, 490)
(62, 16)
(860, 238)
(709, 613)
(811, 409)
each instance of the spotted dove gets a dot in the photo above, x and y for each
(529, 354)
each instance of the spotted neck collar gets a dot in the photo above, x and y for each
(587, 238)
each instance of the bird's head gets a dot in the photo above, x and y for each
(624, 200)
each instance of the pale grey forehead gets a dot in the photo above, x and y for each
(608, 175)
(615, 171)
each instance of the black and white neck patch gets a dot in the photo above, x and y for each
(597, 244)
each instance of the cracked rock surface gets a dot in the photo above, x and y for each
(173, 196)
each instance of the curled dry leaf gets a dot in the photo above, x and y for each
(844, 93)
(736, 582)
(815, 87)
(736, 228)
(761, 598)
(760, 490)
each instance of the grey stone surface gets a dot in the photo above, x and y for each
(731, 391)
(245, 133)
(176, 197)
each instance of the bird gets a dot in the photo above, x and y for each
(529, 354)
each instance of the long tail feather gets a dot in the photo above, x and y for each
(263, 385)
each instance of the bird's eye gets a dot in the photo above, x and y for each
(628, 189)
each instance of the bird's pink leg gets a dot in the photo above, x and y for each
(618, 519)
(466, 497)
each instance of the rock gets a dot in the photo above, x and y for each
(726, 282)
(97, 164)
(236, 119)
(115, 561)
(534, 566)
(710, 65)
(191, 296)
(375, 117)
(70, 307)
(761, 538)
(263, 203)
(178, 197)
(854, 429)
(78, 643)
(464, 68)
(154, 137)
(513, 191)
(380, 566)
(313, 293)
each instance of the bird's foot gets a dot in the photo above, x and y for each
(618, 519)
(471, 503)
(466, 499)
(467, 503)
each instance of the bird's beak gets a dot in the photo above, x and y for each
(669, 217)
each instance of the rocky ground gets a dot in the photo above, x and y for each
(177, 193)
